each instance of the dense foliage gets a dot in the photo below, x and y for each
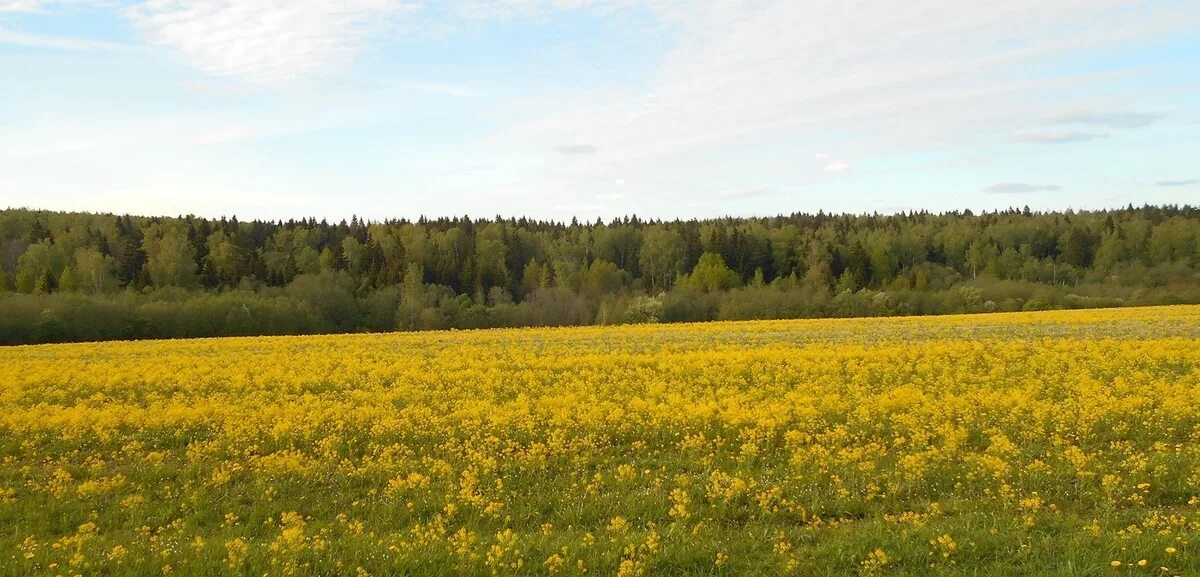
(1050, 443)
(78, 276)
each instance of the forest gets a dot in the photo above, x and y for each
(85, 276)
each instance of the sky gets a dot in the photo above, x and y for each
(552, 109)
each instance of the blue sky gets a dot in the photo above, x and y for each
(560, 108)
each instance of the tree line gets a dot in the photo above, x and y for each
(85, 276)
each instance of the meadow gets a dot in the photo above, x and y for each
(1047, 443)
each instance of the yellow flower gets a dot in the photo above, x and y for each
(235, 550)
(618, 525)
(491, 447)
(875, 561)
(554, 563)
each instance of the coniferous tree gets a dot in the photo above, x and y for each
(505, 271)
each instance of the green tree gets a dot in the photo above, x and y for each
(1174, 240)
(712, 275)
(96, 271)
(644, 309)
(331, 294)
(68, 281)
(308, 260)
(1079, 247)
(38, 268)
(453, 259)
(662, 256)
(412, 298)
(172, 261)
(535, 276)
(819, 272)
(352, 251)
(326, 261)
(491, 253)
(981, 257)
(226, 260)
(619, 245)
(602, 278)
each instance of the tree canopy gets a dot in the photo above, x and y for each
(463, 272)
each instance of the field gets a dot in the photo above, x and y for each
(1057, 443)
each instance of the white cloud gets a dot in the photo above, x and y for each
(1105, 119)
(733, 88)
(261, 40)
(903, 75)
(1056, 136)
(575, 149)
(577, 209)
(1188, 182)
(743, 193)
(47, 6)
(1111, 119)
(53, 42)
(444, 88)
(1019, 188)
(24, 5)
(512, 9)
(829, 163)
(223, 135)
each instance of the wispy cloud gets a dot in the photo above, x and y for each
(261, 40)
(49, 6)
(830, 164)
(575, 149)
(748, 72)
(577, 209)
(25, 5)
(214, 87)
(1118, 120)
(1057, 136)
(744, 193)
(1187, 182)
(52, 42)
(1019, 188)
(1110, 119)
(224, 135)
(672, 94)
(445, 88)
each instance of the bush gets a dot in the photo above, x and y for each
(644, 309)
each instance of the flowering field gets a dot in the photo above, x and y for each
(1063, 443)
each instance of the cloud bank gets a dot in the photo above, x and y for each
(1019, 188)
(1110, 119)
(1056, 137)
(261, 40)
